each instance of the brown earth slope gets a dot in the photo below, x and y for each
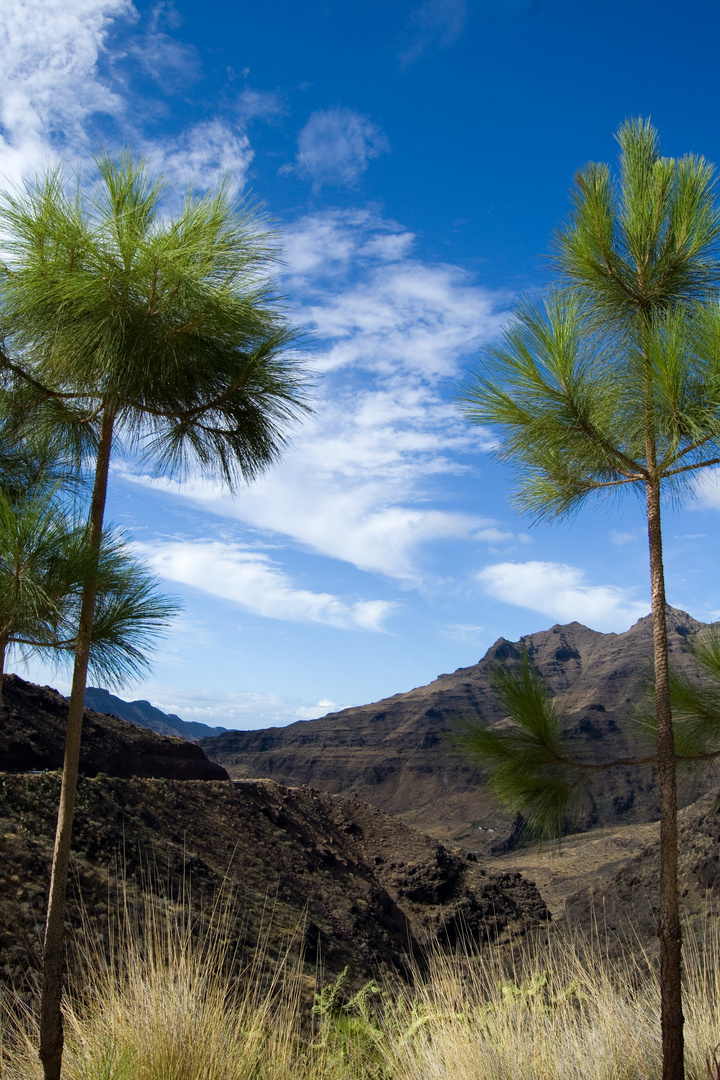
(367, 888)
(623, 907)
(395, 753)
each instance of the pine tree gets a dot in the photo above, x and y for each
(612, 381)
(123, 324)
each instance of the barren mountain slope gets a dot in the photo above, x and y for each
(624, 907)
(395, 754)
(367, 888)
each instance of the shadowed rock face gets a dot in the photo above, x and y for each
(32, 736)
(395, 753)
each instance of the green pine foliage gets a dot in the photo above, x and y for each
(173, 323)
(626, 345)
(45, 564)
(526, 761)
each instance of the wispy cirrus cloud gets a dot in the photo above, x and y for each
(240, 711)
(359, 290)
(260, 104)
(561, 592)
(171, 63)
(65, 89)
(51, 83)
(435, 24)
(203, 154)
(354, 483)
(335, 146)
(252, 580)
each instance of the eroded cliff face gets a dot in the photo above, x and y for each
(32, 737)
(396, 753)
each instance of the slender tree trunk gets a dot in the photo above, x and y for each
(51, 1029)
(671, 1014)
(3, 650)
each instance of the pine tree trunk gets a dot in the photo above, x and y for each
(671, 1017)
(51, 1028)
(3, 651)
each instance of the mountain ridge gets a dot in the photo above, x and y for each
(144, 714)
(395, 752)
(32, 739)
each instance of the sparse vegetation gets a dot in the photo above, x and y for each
(172, 1006)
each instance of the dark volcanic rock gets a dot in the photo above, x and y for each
(395, 753)
(367, 889)
(143, 714)
(32, 737)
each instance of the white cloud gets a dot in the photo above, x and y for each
(50, 82)
(350, 487)
(335, 146)
(60, 84)
(320, 245)
(421, 316)
(492, 536)
(622, 538)
(241, 711)
(260, 105)
(203, 154)
(559, 591)
(249, 578)
(360, 291)
(433, 25)
(354, 483)
(171, 63)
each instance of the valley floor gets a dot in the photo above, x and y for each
(581, 861)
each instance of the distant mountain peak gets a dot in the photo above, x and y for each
(145, 715)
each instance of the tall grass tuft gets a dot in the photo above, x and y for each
(566, 1012)
(170, 1005)
(166, 1001)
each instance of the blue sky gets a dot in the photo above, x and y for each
(415, 159)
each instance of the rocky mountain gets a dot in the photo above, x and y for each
(32, 737)
(143, 714)
(356, 885)
(397, 754)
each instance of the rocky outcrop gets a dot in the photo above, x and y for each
(397, 753)
(32, 737)
(357, 886)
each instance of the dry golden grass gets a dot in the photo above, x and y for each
(167, 1008)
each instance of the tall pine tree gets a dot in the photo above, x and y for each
(613, 382)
